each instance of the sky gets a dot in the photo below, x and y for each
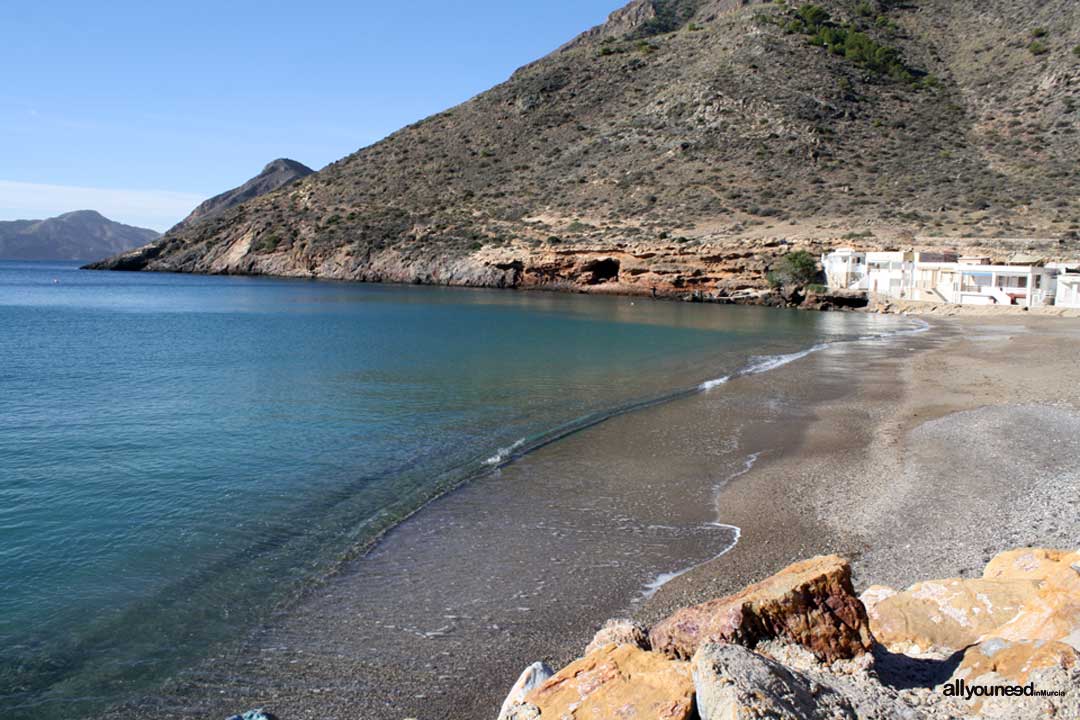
(142, 110)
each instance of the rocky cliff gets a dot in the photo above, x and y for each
(80, 235)
(686, 144)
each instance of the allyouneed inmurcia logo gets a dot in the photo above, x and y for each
(959, 688)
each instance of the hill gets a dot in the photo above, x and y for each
(685, 144)
(275, 175)
(80, 235)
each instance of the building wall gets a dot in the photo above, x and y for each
(1068, 291)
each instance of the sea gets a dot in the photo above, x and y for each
(183, 456)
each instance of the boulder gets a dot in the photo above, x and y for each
(811, 603)
(532, 677)
(618, 681)
(619, 632)
(1026, 594)
(733, 683)
(996, 661)
(1052, 611)
(944, 616)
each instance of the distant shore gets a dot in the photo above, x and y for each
(912, 456)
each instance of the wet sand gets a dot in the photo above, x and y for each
(883, 451)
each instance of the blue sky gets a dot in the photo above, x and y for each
(144, 109)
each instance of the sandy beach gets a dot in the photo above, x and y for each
(917, 457)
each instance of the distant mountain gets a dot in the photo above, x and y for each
(687, 145)
(276, 174)
(80, 235)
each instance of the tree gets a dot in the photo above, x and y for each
(794, 269)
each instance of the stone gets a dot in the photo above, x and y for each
(1052, 611)
(523, 711)
(1026, 594)
(255, 715)
(811, 603)
(733, 683)
(530, 679)
(619, 632)
(996, 661)
(618, 681)
(945, 616)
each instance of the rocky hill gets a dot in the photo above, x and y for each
(277, 174)
(80, 235)
(685, 144)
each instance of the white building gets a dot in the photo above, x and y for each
(943, 277)
(845, 269)
(1068, 291)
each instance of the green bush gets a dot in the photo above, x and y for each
(847, 42)
(865, 9)
(1039, 32)
(1076, 51)
(1038, 47)
(813, 15)
(794, 269)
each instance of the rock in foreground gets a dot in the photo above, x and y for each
(1026, 594)
(795, 647)
(811, 603)
(618, 681)
(733, 682)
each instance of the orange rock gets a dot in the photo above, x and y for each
(1026, 594)
(943, 616)
(618, 681)
(996, 660)
(811, 603)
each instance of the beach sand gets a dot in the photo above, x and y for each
(917, 457)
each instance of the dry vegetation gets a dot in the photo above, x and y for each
(691, 142)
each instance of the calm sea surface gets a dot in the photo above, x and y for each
(181, 454)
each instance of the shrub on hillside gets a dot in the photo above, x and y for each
(794, 269)
(848, 42)
(1038, 47)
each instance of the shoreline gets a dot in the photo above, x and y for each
(790, 527)
(774, 299)
(830, 463)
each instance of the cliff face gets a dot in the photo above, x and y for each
(80, 235)
(685, 144)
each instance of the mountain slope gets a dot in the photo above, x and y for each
(685, 144)
(277, 174)
(80, 235)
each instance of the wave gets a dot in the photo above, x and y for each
(504, 454)
(653, 586)
(765, 363)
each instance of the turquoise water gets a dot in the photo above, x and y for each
(181, 454)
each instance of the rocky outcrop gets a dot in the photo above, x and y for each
(618, 681)
(811, 603)
(794, 646)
